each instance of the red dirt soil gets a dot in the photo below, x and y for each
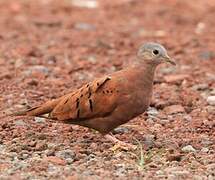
(48, 48)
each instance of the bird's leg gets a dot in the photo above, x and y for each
(118, 143)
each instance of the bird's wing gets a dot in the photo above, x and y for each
(96, 99)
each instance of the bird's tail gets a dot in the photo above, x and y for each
(39, 110)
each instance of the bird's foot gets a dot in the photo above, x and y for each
(120, 144)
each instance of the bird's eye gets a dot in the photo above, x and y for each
(155, 52)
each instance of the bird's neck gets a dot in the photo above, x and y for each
(144, 72)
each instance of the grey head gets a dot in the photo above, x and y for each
(154, 53)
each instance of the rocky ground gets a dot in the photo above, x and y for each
(48, 48)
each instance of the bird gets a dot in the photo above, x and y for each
(109, 101)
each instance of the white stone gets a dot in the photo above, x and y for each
(91, 4)
(39, 120)
(188, 148)
(211, 100)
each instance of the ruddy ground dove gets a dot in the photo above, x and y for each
(112, 100)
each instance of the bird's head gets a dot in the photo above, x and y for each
(154, 53)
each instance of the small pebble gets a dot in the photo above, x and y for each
(39, 120)
(91, 4)
(149, 140)
(41, 146)
(164, 121)
(152, 111)
(187, 118)
(211, 100)
(66, 154)
(120, 130)
(20, 123)
(204, 150)
(188, 148)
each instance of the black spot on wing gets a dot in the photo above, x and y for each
(77, 102)
(91, 104)
(66, 101)
(100, 85)
(78, 113)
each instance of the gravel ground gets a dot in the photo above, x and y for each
(48, 48)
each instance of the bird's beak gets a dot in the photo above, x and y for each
(169, 60)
